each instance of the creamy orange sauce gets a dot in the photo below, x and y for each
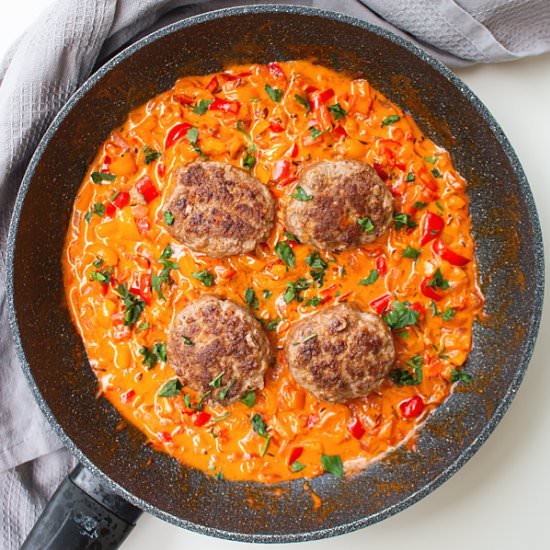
(130, 240)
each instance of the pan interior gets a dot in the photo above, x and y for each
(509, 254)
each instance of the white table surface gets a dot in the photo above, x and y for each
(500, 498)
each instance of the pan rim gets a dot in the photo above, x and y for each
(538, 291)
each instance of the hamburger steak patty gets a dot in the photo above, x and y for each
(339, 353)
(219, 209)
(213, 337)
(350, 205)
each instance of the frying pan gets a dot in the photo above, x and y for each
(119, 471)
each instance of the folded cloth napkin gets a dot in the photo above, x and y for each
(46, 65)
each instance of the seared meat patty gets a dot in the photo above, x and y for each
(219, 209)
(339, 353)
(216, 346)
(349, 205)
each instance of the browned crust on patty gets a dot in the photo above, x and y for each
(225, 338)
(343, 191)
(219, 209)
(339, 353)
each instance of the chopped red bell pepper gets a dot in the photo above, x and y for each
(276, 126)
(176, 133)
(281, 170)
(295, 454)
(147, 188)
(183, 99)
(321, 98)
(312, 419)
(161, 170)
(380, 170)
(310, 89)
(128, 396)
(275, 70)
(165, 436)
(110, 209)
(442, 250)
(293, 151)
(355, 428)
(411, 408)
(431, 227)
(230, 77)
(122, 199)
(213, 85)
(417, 306)
(340, 131)
(201, 418)
(225, 105)
(429, 291)
(381, 303)
(381, 265)
(142, 286)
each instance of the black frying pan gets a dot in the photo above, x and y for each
(509, 252)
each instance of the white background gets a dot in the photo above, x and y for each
(500, 499)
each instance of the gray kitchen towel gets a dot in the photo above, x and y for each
(46, 65)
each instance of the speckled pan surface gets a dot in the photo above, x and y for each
(509, 253)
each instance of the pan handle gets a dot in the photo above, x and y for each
(84, 513)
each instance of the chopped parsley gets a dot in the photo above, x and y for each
(223, 394)
(410, 177)
(200, 405)
(403, 220)
(438, 280)
(314, 302)
(371, 279)
(431, 160)
(168, 218)
(103, 276)
(164, 276)
(366, 224)
(187, 341)
(143, 326)
(98, 263)
(303, 101)
(202, 106)
(150, 358)
(411, 253)
(333, 465)
(419, 205)
(447, 315)
(193, 136)
(337, 111)
(265, 446)
(274, 93)
(291, 237)
(408, 378)
(217, 381)
(251, 145)
(285, 252)
(249, 160)
(401, 316)
(207, 279)
(250, 298)
(293, 290)
(133, 305)
(172, 388)
(297, 466)
(391, 119)
(98, 209)
(259, 426)
(315, 132)
(459, 376)
(318, 267)
(220, 418)
(436, 173)
(249, 399)
(150, 154)
(267, 293)
(272, 325)
(100, 177)
(301, 195)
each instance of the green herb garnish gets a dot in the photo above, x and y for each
(274, 93)
(202, 106)
(392, 119)
(301, 195)
(285, 253)
(401, 316)
(337, 111)
(403, 220)
(172, 388)
(168, 218)
(333, 465)
(372, 278)
(366, 224)
(250, 298)
(207, 279)
(411, 253)
(193, 136)
(303, 101)
(249, 399)
(100, 177)
(150, 154)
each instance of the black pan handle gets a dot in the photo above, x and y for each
(83, 514)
